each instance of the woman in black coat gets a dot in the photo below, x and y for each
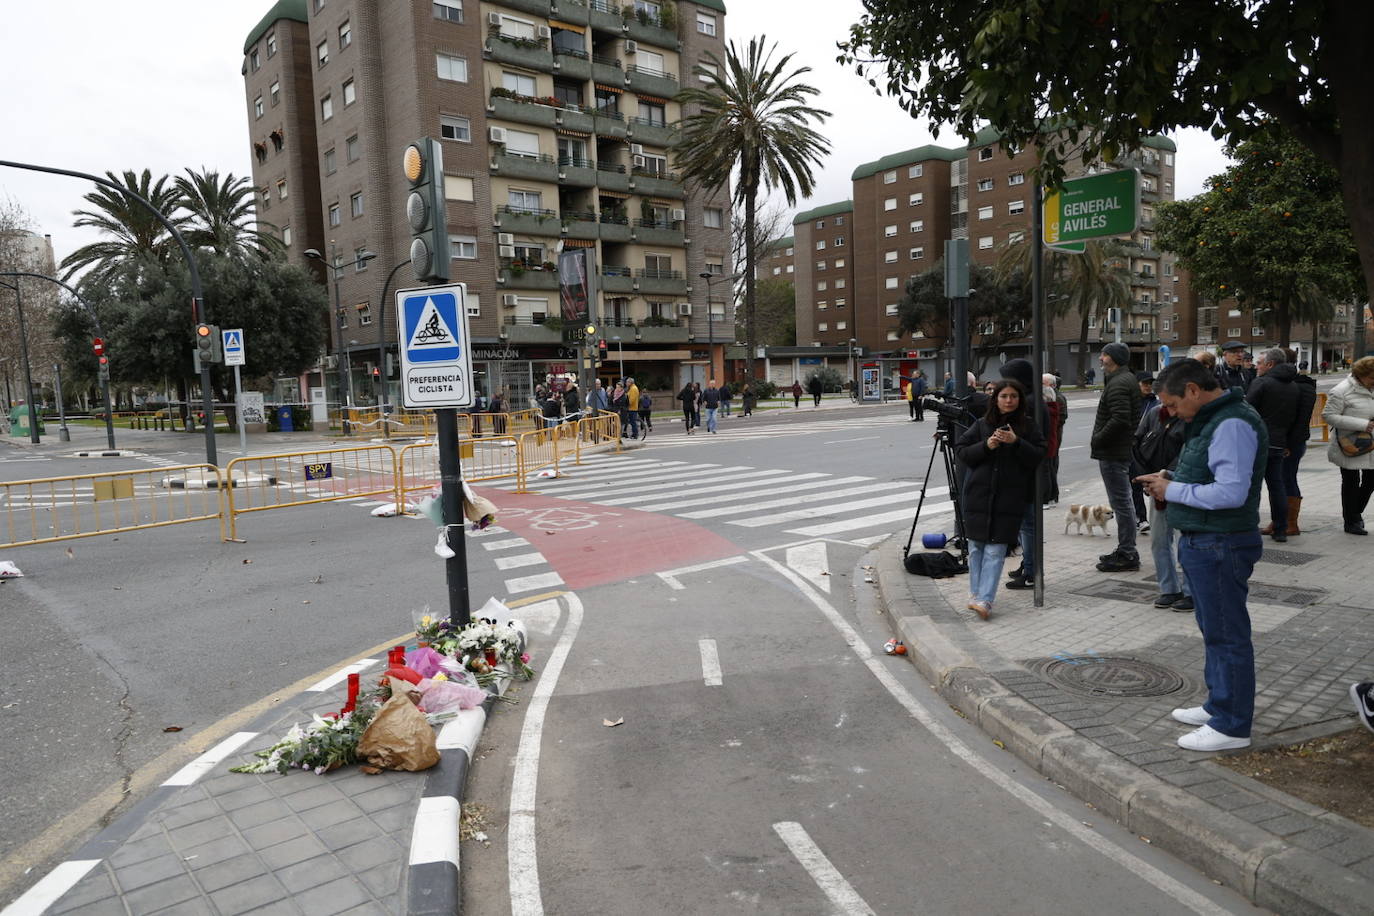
(1001, 453)
(688, 397)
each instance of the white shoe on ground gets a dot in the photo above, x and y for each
(1193, 715)
(1207, 738)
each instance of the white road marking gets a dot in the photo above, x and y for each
(521, 851)
(667, 479)
(842, 895)
(871, 521)
(809, 560)
(532, 583)
(842, 441)
(488, 532)
(821, 511)
(338, 677)
(710, 662)
(505, 544)
(956, 746)
(54, 885)
(434, 838)
(716, 498)
(670, 576)
(522, 559)
(210, 759)
(870, 541)
(710, 483)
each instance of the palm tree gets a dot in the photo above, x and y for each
(135, 232)
(222, 217)
(752, 116)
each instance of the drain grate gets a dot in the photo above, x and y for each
(1110, 676)
(1287, 557)
(1119, 590)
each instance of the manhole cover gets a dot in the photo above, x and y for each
(1109, 676)
(1286, 557)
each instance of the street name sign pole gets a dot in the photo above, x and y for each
(232, 346)
(436, 372)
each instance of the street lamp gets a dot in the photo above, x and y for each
(620, 348)
(712, 279)
(345, 380)
(854, 368)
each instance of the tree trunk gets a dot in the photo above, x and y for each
(749, 177)
(1082, 348)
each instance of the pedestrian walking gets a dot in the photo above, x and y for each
(725, 400)
(1297, 444)
(813, 386)
(1275, 398)
(1158, 441)
(749, 399)
(1349, 412)
(632, 407)
(688, 398)
(1113, 432)
(1213, 500)
(646, 414)
(1001, 452)
(710, 399)
(497, 406)
(796, 393)
(572, 401)
(1090, 376)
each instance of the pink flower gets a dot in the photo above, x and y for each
(525, 657)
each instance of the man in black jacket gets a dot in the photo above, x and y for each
(1231, 372)
(1113, 434)
(1297, 444)
(1275, 398)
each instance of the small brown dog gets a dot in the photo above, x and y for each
(1092, 516)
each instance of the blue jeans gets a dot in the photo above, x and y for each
(1116, 477)
(1290, 469)
(1027, 540)
(711, 419)
(1218, 567)
(725, 408)
(631, 420)
(1162, 550)
(985, 569)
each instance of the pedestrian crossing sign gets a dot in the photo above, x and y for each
(436, 361)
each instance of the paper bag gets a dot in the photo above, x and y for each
(399, 737)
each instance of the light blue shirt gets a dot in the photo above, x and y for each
(1231, 459)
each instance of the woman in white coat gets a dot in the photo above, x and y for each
(1350, 410)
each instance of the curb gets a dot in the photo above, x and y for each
(207, 483)
(1267, 870)
(116, 453)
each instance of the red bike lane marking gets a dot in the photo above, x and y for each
(622, 543)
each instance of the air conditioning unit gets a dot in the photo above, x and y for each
(544, 32)
(505, 251)
(636, 149)
(497, 134)
(494, 19)
(331, 362)
(684, 308)
(631, 46)
(509, 300)
(679, 215)
(638, 161)
(505, 238)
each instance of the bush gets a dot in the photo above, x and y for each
(831, 379)
(300, 418)
(763, 390)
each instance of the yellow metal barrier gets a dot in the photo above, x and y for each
(488, 458)
(538, 450)
(1317, 421)
(262, 482)
(602, 430)
(62, 508)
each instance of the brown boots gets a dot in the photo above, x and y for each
(1294, 504)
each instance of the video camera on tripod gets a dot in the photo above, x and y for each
(953, 412)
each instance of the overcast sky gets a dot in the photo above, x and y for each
(155, 84)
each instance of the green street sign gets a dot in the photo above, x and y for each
(1093, 207)
(1071, 247)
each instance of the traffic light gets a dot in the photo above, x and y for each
(104, 368)
(602, 349)
(425, 211)
(209, 347)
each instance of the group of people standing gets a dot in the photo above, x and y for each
(715, 400)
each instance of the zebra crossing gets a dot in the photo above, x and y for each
(811, 504)
(669, 431)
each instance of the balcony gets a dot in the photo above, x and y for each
(664, 330)
(609, 122)
(652, 82)
(534, 168)
(612, 177)
(510, 107)
(575, 118)
(518, 329)
(520, 275)
(658, 232)
(578, 173)
(651, 31)
(617, 280)
(661, 282)
(528, 221)
(657, 184)
(522, 52)
(537, 7)
(607, 70)
(1150, 280)
(655, 133)
(579, 225)
(615, 227)
(605, 16)
(572, 64)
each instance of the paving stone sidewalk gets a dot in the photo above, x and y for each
(1082, 688)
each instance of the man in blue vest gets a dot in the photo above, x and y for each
(1213, 500)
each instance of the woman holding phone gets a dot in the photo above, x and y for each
(1001, 451)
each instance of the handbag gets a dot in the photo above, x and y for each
(1355, 444)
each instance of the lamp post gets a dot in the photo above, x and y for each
(381, 349)
(345, 379)
(620, 348)
(854, 368)
(711, 279)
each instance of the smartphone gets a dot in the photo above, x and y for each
(1005, 427)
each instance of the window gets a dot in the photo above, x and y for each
(707, 73)
(519, 83)
(1147, 183)
(821, 285)
(985, 243)
(839, 262)
(915, 200)
(839, 221)
(890, 283)
(1257, 332)
(326, 108)
(889, 231)
(653, 113)
(841, 325)
(840, 303)
(890, 177)
(452, 127)
(257, 107)
(820, 265)
(838, 242)
(821, 305)
(331, 164)
(1016, 237)
(266, 199)
(1164, 324)
(334, 215)
(281, 189)
(455, 68)
(254, 62)
(516, 28)
(823, 326)
(364, 313)
(322, 52)
(820, 224)
(1168, 187)
(474, 304)
(892, 335)
(777, 271)
(917, 253)
(985, 184)
(286, 236)
(985, 154)
(1168, 268)
(1016, 206)
(890, 257)
(890, 308)
(359, 264)
(706, 24)
(649, 61)
(1233, 313)
(271, 43)
(985, 212)
(1169, 159)
(789, 252)
(1233, 332)
(448, 10)
(275, 91)
(353, 150)
(890, 204)
(526, 201)
(712, 218)
(463, 247)
(715, 268)
(522, 143)
(654, 165)
(839, 282)
(915, 171)
(350, 96)
(345, 35)
(789, 268)
(820, 244)
(355, 204)
(918, 225)
(1016, 178)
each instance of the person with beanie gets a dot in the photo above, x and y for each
(1113, 435)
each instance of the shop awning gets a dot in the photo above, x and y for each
(604, 88)
(616, 195)
(578, 243)
(652, 98)
(579, 29)
(564, 132)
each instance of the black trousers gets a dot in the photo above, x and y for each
(1356, 488)
(1278, 490)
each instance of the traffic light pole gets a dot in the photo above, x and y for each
(451, 499)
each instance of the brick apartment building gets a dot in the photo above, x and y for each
(555, 118)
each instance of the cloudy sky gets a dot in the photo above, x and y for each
(155, 84)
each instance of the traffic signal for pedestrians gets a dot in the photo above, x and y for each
(425, 211)
(209, 348)
(602, 349)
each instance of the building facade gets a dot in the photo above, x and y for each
(555, 121)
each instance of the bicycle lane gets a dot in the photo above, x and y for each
(590, 545)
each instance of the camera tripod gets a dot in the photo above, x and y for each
(945, 449)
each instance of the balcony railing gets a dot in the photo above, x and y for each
(609, 271)
(606, 61)
(573, 162)
(604, 6)
(619, 219)
(602, 166)
(650, 71)
(649, 122)
(571, 52)
(652, 173)
(524, 211)
(579, 216)
(653, 273)
(673, 224)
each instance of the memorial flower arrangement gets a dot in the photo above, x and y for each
(321, 745)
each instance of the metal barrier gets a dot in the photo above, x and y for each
(601, 430)
(62, 508)
(1316, 421)
(540, 449)
(262, 482)
(488, 458)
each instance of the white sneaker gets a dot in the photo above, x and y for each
(1207, 738)
(441, 548)
(1194, 715)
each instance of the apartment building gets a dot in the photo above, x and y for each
(555, 120)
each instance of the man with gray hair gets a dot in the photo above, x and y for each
(1274, 396)
(1118, 412)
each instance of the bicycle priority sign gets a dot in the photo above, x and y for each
(436, 356)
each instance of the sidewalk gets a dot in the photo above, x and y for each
(1082, 689)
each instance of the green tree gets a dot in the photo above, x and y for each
(753, 116)
(1268, 232)
(1123, 71)
(221, 217)
(135, 234)
(776, 311)
(997, 311)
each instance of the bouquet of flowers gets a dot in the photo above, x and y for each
(322, 745)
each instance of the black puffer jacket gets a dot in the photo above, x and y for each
(999, 482)
(1307, 401)
(1275, 398)
(1117, 414)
